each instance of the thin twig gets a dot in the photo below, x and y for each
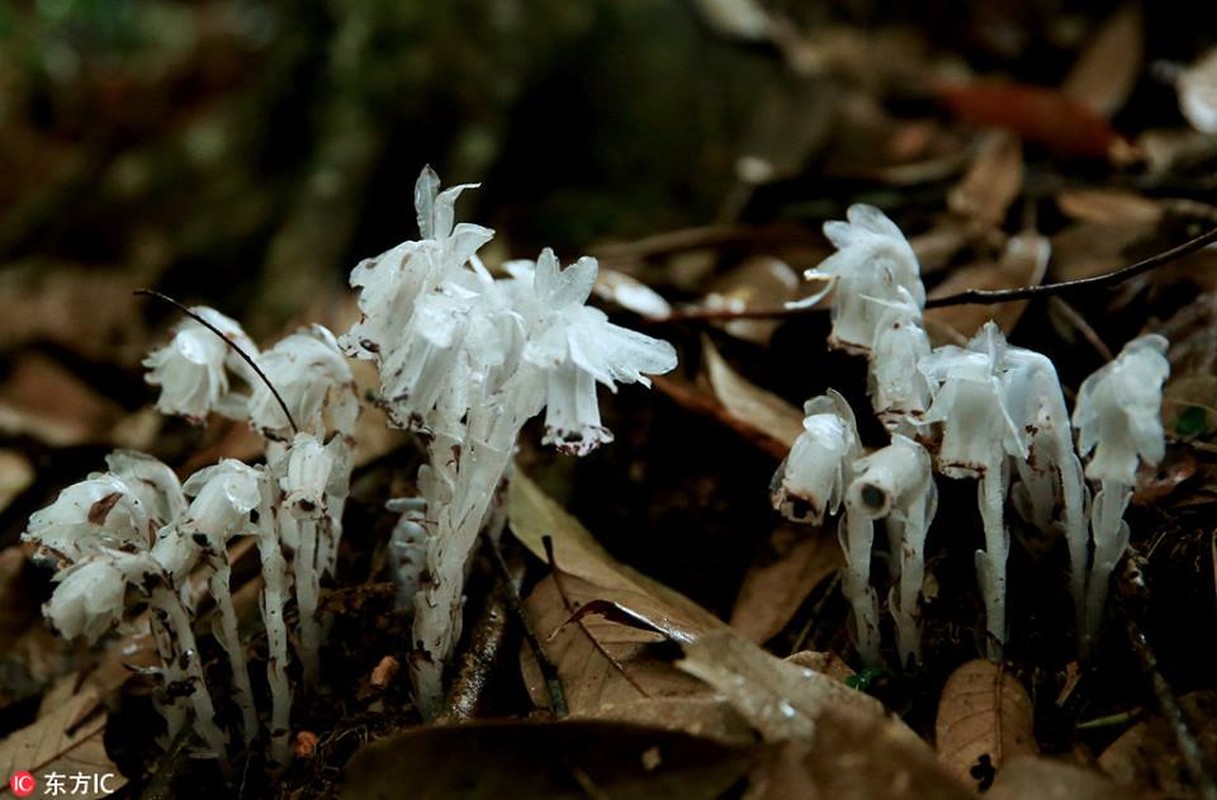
(990, 296)
(970, 296)
(246, 357)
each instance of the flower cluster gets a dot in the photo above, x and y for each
(989, 411)
(466, 359)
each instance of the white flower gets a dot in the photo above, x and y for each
(873, 263)
(308, 476)
(89, 598)
(191, 369)
(898, 389)
(155, 485)
(313, 378)
(101, 512)
(392, 283)
(1118, 412)
(811, 482)
(576, 347)
(224, 495)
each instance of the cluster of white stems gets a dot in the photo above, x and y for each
(989, 411)
(135, 534)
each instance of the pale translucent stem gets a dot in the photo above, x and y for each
(855, 582)
(177, 624)
(1110, 539)
(230, 639)
(274, 588)
(308, 589)
(172, 708)
(991, 562)
(437, 606)
(905, 610)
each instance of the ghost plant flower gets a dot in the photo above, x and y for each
(896, 484)
(977, 437)
(100, 512)
(811, 481)
(467, 360)
(191, 369)
(1119, 426)
(898, 390)
(872, 264)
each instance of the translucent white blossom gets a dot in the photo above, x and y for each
(224, 495)
(1197, 87)
(191, 369)
(1117, 414)
(811, 481)
(899, 391)
(88, 598)
(872, 264)
(576, 347)
(313, 379)
(101, 512)
(1118, 420)
(152, 481)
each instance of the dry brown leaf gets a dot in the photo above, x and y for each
(761, 282)
(749, 403)
(854, 756)
(569, 759)
(985, 718)
(67, 739)
(781, 700)
(630, 293)
(1109, 207)
(992, 182)
(1032, 778)
(16, 475)
(17, 609)
(1105, 73)
(1146, 760)
(774, 587)
(1087, 249)
(43, 399)
(1024, 263)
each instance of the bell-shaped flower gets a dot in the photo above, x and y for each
(895, 483)
(224, 496)
(313, 379)
(191, 369)
(899, 391)
(873, 263)
(576, 347)
(89, 597)
(152, 481)
(811, 481)
(1117, 413)
(1119, 424)
(98, 513)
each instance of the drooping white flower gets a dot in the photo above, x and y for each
(873, 263)
(811, 481)
(313, 378)
(191, 369)
(224, 495)
(899, 391)
(102, 512)
(152, 481)
(88, 598)
(576, 347)
(1118, 421)
(1117, 413)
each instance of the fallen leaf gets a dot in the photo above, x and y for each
(984, 719)
(748, 402)
(774, 587)
(570, 759)
(1189, 406)
(40, 397)
(1109, 207)
(66, 739)
(760, 283)
(1039, 115)
(1145, 758)
(630, 293)
(992, 182)
(1106, 71)
(854, 756)
(1029, 778)
(781, 700)
(16, 475)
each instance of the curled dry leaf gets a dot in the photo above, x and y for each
(1028, 778)
(1109, 207)
(630, 293)
(572, 759)
(760, 283)
(992, 182)
(776, 585)
(984, 719)
(749, 403)
(1146, 760)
